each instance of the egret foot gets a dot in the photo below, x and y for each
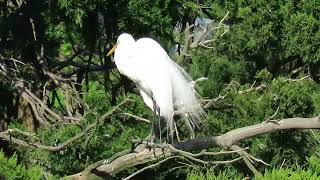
(151, 138)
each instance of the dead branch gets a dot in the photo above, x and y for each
(314, 135)
(234, 136)
(100, 120)
(245, 158)
(211, 102)
(55, 77)
(24, 133)
(300, 79)
(39, 104)
(143, 154)
(187, 36)
(6, 135)
(43, 114)
(258, 89)
(193, 40)
(273, 115)
(105, 161)
(149, 167)
(136, 117)
(33, 29)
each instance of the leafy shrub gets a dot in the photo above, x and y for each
(10, 169)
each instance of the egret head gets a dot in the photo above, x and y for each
(123, 39)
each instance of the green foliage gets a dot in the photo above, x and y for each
(302, 31)
(86, 22)
(111, 136)
(294, 172)
(10, 169)
(311, 171)
(269, 33)
(219, 71)
(157, 16)
(210, 175)
(66, 49)
(264, 75)
(313, 164)
(270, 42)
(293, 99)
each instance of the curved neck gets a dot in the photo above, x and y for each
(125, 48)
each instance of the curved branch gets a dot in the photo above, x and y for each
(234, 136)
(143, 154)
(6, 135)
(149, 167)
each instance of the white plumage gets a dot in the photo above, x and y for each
(160, 79)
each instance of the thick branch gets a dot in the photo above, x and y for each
(142, 154)
(234, 136)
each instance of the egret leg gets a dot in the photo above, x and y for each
(152, 136)
(158, 117)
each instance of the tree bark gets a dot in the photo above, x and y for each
(141, 154)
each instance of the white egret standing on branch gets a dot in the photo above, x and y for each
(164, 86)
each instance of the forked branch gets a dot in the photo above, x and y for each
(7, 135)
(143, 153)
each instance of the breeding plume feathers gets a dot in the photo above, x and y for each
(165, 87)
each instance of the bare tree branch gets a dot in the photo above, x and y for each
(6, 135)
(149, 167)
(245, 158)
(136, 117)
(258, 88)
(143, 154)
(194, 40)
(234, 136)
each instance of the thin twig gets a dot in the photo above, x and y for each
(300, 79)
(246, 160)
(282, 163)
(136, 117)
(196, 159)
(25, 133)
(257, 159)
(220, 23)
(105, 161)
(274, 115)
(33, 29)
(103, 117)
(6, 134)
(203, 153)
(314, 135)
(149, 167)
(213, 101)
(259, 88)
(226, 162)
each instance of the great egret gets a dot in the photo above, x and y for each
(164, 86)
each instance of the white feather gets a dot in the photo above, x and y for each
(145, 62)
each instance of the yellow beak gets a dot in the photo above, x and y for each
(112, 50)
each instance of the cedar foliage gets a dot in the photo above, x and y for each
(269, 42)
